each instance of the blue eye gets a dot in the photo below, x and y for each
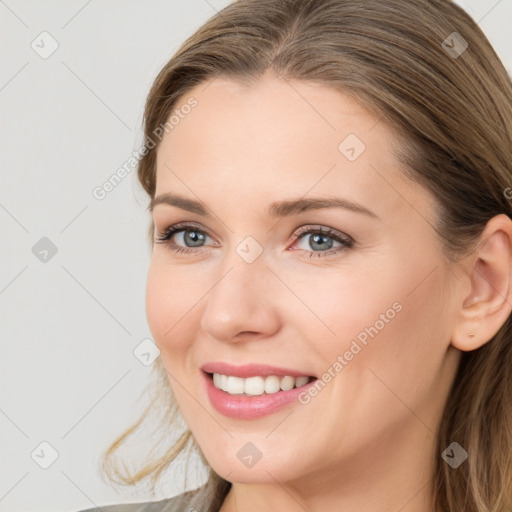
(320, 238)
(191, 234)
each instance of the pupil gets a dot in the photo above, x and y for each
(194, 236)
(323, 241)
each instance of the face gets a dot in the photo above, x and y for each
(352, 299)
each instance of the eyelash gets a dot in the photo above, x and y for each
(346, 241)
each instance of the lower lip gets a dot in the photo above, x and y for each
(250, 407)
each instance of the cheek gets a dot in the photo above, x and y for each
(401, 359)
(170, 299)
(386, 324)
(418, 339)
(395, 303)
(392, 343)
(357, 305)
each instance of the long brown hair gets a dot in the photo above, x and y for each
(426, 69)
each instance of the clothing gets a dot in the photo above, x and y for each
(196, 500)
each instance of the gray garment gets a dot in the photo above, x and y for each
(190, 501)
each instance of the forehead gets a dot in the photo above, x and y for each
(272, 116)
(278, 137)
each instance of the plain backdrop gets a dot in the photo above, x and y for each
(74, 77)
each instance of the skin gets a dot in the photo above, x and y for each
(366, 441)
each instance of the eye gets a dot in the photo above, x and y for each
(320, 237)
(323, 238)
(189, 234)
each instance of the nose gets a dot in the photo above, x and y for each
(242, 304)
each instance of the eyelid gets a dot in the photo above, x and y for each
(308, 228)
(183, 226)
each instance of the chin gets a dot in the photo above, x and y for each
(261, 472)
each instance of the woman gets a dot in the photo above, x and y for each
(330, 278)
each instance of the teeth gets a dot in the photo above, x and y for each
(234, 385)
(287, 383)
(272, 384)
(257, 385)
(300, 381)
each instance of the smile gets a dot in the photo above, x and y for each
(253, 391)
(258, 385)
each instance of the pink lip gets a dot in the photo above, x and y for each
(249, 407)
(251, 370)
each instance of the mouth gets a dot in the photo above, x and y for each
(252, 391)
(259, 384)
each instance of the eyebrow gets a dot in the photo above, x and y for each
(276, 209)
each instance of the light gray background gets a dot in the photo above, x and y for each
(70, 324)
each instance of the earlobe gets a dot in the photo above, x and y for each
(486, 307)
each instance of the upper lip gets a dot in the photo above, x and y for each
(251, 370)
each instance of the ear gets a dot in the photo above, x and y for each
(485, 308)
